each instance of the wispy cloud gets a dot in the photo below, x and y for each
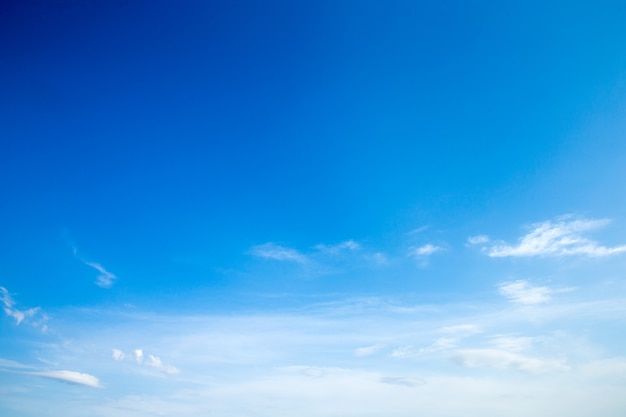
(512, 343)
(349, 245)
(368, 350)
(22, 315)
(502, 359)
(522, 292)
(438, 345)
(402, 381)
(278, 252)
(562, 237)
(477, 240)
(106, 279)
(150, 361)
(72, 377)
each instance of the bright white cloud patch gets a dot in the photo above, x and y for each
(138, 356)
(70, 376)
(502, 359)
(562, 237)
(277, 252)
(522, 292)
(427, 249)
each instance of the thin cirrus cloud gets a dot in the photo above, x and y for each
(34, 316)
(278, 252)
(368, 350)
(522, 292)
(106, 279)
(502, 359)
(561, 237)
(349, 245)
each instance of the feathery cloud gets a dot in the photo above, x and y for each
(338, 248)
(402, 381)
(106, 279)
(277, 252)
(22, 315)
(477, 240)
(522, 292)
(561, 237)
(502, 359)
(367, 350)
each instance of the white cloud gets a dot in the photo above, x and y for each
(152, 361)
(402, 381)
(105, 279)
(118, 355)
(477, 240)
(427, 249)
(464, 329)
(502, 359)
(522, 292)
(368, 350)
(69, 376)
(156, 363)
(512, 343)
(438, 345)
(21, 315)
(139, 356)
(277, 252)
(559, 238)
(338, 248)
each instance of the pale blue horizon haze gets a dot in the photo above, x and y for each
(312, 208)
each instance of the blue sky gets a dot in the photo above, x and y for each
(345, 208)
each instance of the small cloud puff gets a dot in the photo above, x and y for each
(152, 361)
(426, 250)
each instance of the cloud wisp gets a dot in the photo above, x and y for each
(106, 279)
(522, 292)
(278, 252)
(22, 315)
(502, 359)
(562, 237)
